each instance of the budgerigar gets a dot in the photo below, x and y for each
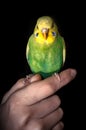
(46, 50)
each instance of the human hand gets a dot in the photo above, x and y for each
(31, 104)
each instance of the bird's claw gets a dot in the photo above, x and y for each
(57, 76)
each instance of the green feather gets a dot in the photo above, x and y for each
(45, 50)
(45, 59)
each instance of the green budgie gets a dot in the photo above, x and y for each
(46, 50)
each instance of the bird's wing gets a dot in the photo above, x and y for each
(64, 51)
(27, 47)
(27, 50)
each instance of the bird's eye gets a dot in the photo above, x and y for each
(36, 34)
(54, 33)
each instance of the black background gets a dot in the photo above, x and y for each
(17, 21)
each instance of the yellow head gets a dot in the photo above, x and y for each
(45, 30)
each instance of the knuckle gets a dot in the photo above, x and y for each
(20, 81)
(13, 102)
(36, 125)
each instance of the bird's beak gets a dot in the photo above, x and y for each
(45, 32)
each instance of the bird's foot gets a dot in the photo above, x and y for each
(27, 79)
(57, 76)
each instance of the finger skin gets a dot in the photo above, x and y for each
(46, 123)
(19, 110)
(59, 126)
(53, 118)
(37, 91)
(23, 82)
(46, 106)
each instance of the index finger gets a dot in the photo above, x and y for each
(42, 89)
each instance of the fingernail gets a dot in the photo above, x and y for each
(73, 72)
